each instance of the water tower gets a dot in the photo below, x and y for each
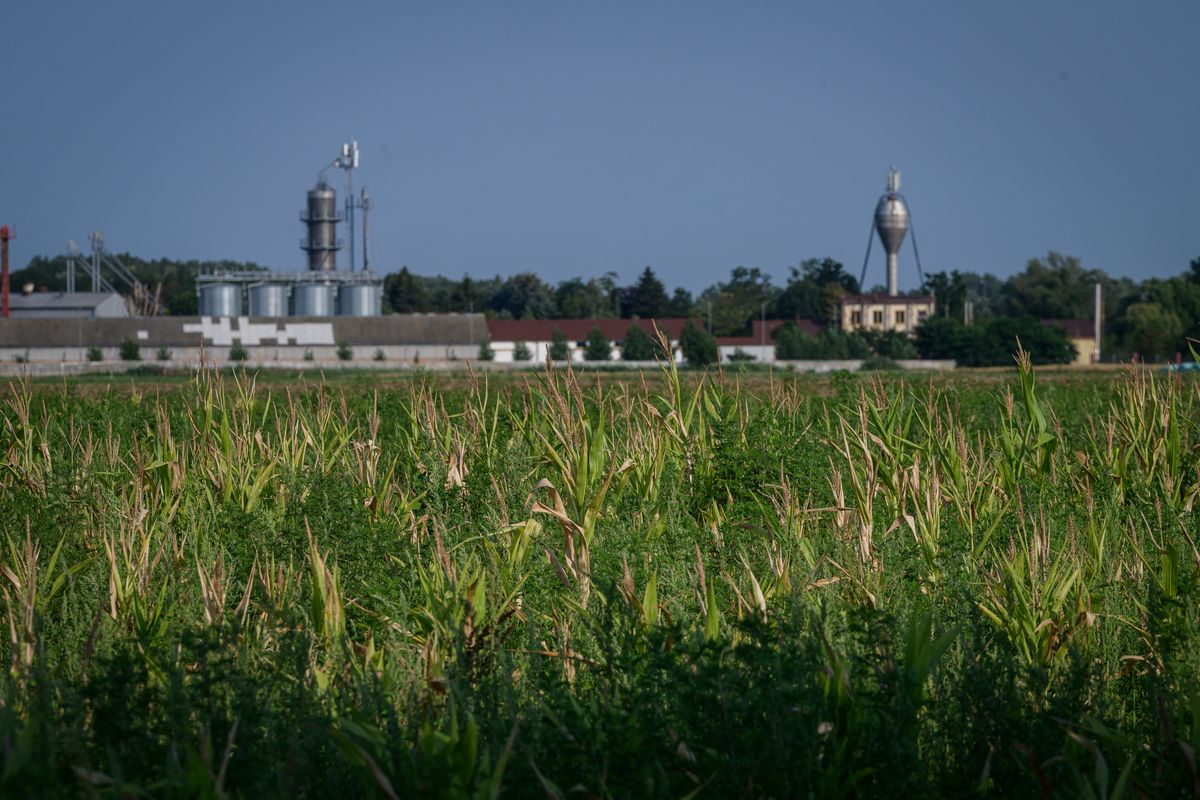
(892, 223)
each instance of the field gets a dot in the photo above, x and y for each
(601, 585)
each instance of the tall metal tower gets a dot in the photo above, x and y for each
(892, 222)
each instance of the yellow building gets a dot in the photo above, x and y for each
(1082, 334)
(881, 312)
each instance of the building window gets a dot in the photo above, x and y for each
(878, 317)
(856, 319)
(899, 317)
(921, 315)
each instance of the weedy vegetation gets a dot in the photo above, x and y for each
(556, 585)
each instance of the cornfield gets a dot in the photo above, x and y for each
(668, 586)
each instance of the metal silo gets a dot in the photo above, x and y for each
(322, 217)
(359, 300)
(891, 223)
(221, 300)
(313, 299)
(269, 300)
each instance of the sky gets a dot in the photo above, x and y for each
(579, 138)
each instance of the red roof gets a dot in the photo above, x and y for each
(756, 333)
(1074, 328)
(878, 297)
(542, 330)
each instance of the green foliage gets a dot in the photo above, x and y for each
(598, 346)
(95, 354)
(344, 352)
(685, 585)
(991, 342)
(648, 297)
(791, 343)
(129, 350)
(890, 344)
(560, 350)
(698, 347)
(1151, 331)
(521, 352)
(637, 345)
(813, 291)
(740, 356)
(163, 354)
(486, 353)
(238, 352)
(379, 355)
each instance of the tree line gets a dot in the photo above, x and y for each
(1153, 318)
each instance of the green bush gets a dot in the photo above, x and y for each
(890, 344)
(741, 356)
(559, 349)
(238, 352)
(832, 344)
(344, 352)
(486, 353)
(698, 347)
(521, 352)
(598, 347)
(992, 341)
(163, 354)
(95, 354)
(129, 350)
(637, 345)
(379, 356)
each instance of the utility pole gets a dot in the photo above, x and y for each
(1096, 314)
(5, 235)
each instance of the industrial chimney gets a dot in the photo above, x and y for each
(891, 223)
(322, 218)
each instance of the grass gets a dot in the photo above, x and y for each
(610, 584)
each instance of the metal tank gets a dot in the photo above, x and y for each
(220, 300)
(891, 223)
(269, 300)
(359, 300)
(321, 215)
(313, 299)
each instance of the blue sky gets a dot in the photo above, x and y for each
(574, 138)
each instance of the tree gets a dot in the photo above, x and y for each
(486, 353)
(579, 300)
(949, 292)
(1057, 287)
(682, 304)
(698, 347)
(813, 291)
(992, 342)
(1151, 330)
(598, 347)
(404, 293)
(521, 352)
(525, 296)
(648, 297)
(559, 349)
(739, 300)
(637, 345)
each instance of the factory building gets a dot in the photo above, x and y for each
(67, 305)
(322, 290)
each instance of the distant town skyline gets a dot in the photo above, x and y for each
(575, 140)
